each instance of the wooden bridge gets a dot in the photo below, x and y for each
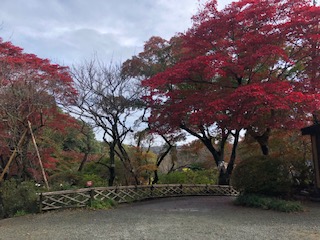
(124, 194)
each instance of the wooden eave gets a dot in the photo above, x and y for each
(311, 130)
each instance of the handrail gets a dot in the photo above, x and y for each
(122, 194)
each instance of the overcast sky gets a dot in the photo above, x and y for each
(70, 31)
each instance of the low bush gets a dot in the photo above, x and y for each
(257, 201)
(102, 204)
(188, 176)
(262, 175)
(20, 213)
(96, 180)
(64, 180)
(17, 198)
(73, 180)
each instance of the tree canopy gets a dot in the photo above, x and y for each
(30, 90)
(253, 65)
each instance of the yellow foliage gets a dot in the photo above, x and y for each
(148, 167)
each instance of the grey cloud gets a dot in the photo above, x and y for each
(71, 30)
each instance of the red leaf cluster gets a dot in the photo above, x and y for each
(30, 90)
(253, 64)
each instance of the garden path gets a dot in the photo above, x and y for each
(208, 217)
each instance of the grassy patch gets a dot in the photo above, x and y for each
(257, 201)
(20, 213)
(103, 204)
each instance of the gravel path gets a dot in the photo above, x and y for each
(184, 218)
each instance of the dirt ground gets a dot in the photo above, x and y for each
(170, 218)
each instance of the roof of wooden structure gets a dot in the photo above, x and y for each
(311, 130)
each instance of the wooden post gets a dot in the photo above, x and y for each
(38, 154)
(314, 132)
(13, 154)
(315, 141)
(40, 202)
(151, 190)
(207, 189)
(91, 197)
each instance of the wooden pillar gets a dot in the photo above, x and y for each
(314, 132)
(315, 140)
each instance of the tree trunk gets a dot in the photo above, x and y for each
(112, 176)
(25, 163)
(156, 177)
(160, 158)
(233, 153)
(263, 141)
(125, 159)
(215, 154)
(84, 160)
(218, 156)
(112, 170)
(135, 176)
(225, 174)
(87, 151)
(224, 177)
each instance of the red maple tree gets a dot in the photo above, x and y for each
(30, 90)
(253, 65)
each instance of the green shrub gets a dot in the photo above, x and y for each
(72, 180)
(262, 175)
(103, 204)
(189, 176)
(96, 180)
(257, 201)
(98, 169)
(64, 180)
(174, 177)
(60, 185)
(302, 174)
(18, 197)
(20, 213)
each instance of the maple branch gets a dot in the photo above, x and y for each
(211, 83)
(261, 139)
(184, 127)
(207, 141)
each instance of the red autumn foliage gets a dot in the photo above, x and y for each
(254, 64)
(30, 86)
(30, 90)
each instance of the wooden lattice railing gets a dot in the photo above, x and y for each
(123, 194)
